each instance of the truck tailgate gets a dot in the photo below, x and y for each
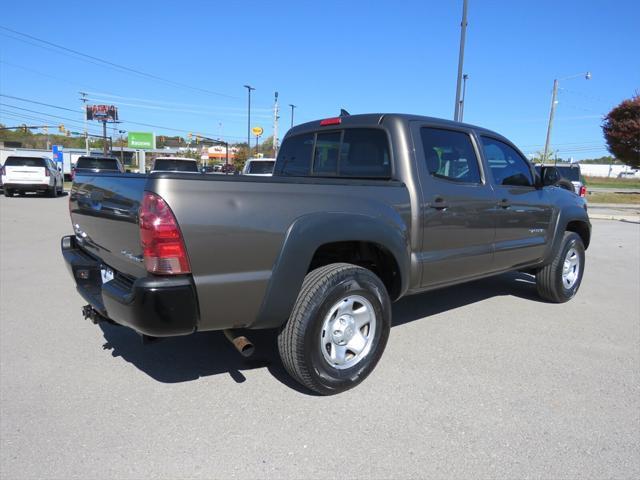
(104, 214)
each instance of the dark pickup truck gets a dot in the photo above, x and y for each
(361, 211)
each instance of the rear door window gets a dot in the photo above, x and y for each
(506, 164)
(25, 162)
(450, 155)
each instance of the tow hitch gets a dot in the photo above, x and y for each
(90, 313)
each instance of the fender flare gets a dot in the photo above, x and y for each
(305, 235)
(565, 216)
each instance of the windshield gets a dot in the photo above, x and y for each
(25, 162)
(174, 165)
(97, 163)
(261, 167)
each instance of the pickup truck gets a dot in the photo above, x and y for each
(361, 211)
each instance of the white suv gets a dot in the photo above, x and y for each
(31, 174)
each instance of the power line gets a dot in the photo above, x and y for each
(73, 124)
(69, 120)
(38, 103)
(93, 59)
(124, 121)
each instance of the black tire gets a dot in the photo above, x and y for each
(299, 341)
(549, 280)
(8, 193)
(52, 192)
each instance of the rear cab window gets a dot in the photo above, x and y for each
(25, 162)
(97, 163)
(261, 167)
(348, 152)
(175, 165)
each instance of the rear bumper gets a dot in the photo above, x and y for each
(154, 306)
(27, 186)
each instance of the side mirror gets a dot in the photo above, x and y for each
(59, 169)
(549, 176)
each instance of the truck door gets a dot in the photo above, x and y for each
(523, 213)
(457, 205)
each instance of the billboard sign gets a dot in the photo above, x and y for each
(102, 113)
(257, 131)
(141, 140)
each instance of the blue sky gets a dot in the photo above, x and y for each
(364, 56)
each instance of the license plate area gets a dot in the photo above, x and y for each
(106, 274)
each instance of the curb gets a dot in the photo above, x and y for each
(620, 218)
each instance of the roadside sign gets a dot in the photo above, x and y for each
(57, 154)
(141, 140)
(257, 131)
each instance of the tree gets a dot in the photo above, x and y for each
(240, 156)
(621, 128)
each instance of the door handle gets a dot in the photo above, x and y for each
(439, 203)
(504, 203)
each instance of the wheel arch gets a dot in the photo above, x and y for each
(319, 239)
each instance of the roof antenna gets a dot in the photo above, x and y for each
(344, 113)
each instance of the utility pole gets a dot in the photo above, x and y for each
(275, 126)
(105, 150)
(84, 100)
(249, 88)
(463, 34)
(292, 107)
(552, 111)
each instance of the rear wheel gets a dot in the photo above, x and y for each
(338, 328)
(560, 280)
(8, 193)
(52, 191)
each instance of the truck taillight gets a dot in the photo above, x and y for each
(583, 191)
(161, 239)
(73, 174)
(3, 171)
(46, 172)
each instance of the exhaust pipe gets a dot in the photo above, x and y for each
(242, 343)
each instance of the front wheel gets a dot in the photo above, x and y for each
(338, 328)
(559, 281)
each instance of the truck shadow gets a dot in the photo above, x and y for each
(184, 359)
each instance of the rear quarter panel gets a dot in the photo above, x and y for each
(235, 228)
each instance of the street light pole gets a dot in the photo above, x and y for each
(552, 110)
(292, 107)
(463, 34)
(465, 77)
(249, 88)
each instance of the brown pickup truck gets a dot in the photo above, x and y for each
(361, 211)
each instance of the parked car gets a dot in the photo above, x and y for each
(227, 168)
(361, 211)
(571, 173)
(31, 174)
(262, 167)
(94, 164)
(175, 164)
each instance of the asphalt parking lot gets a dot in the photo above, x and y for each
(478, 381)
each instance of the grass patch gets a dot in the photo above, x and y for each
(606, 197)
(612, 182)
